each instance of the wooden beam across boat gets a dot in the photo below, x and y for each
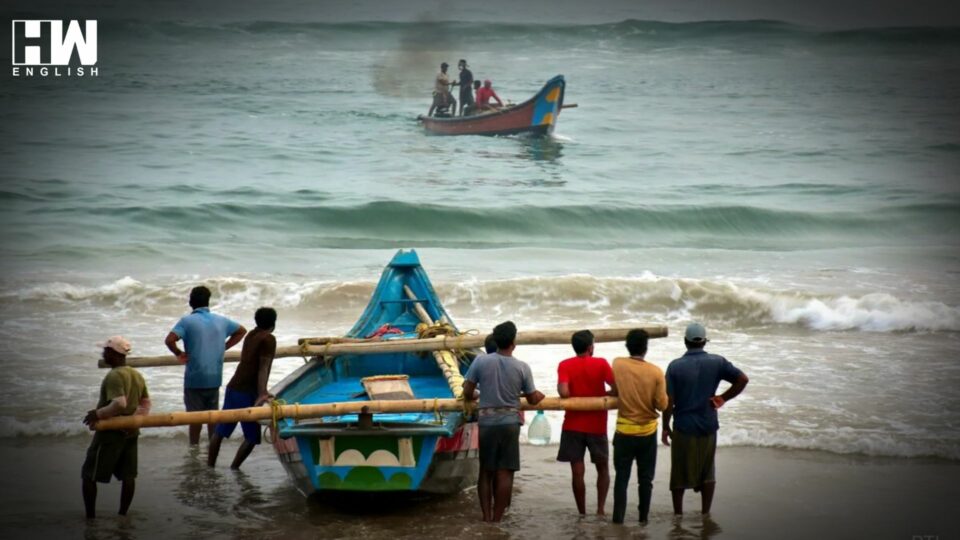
(439, 343)
(303, 412)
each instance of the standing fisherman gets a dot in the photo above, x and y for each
(206, 336)
(123, 392)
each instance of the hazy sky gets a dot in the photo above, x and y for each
(821, 13)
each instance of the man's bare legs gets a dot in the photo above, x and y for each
(502, 489)
(706, 498)
(603, 486)
(126, 494)
(579, 488)
(195, 432)
(485, 493)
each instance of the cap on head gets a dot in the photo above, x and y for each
(443, 65)
(462, 62)
(696, 333)
(487, 82)
(118, 344)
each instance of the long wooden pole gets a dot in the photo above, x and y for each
(302, 412)
(445, 360)
(439, 343)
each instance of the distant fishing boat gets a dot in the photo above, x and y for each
(537, 116)
(427, 452)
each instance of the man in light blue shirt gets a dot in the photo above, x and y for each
(502, 380)
(206, 336)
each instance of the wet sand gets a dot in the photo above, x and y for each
(761, 493)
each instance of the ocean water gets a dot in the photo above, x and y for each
(794, 189)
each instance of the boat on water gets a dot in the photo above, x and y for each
(434, 452)
(536, 116)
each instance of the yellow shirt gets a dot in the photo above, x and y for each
(643, 394)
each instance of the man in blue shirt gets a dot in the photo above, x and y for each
(502, 380)
(206, 336)
(692, 382)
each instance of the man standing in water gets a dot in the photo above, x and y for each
(206, 336)
(114, 452)
(692, 381)
(502, 380)
(643, 394)
(248, 387)
(585, 376)
(466, 86)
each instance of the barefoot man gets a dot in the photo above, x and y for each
(585, 376)
(502, 379)
(692, 381)
(114, 452)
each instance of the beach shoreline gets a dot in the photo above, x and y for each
(761, 493)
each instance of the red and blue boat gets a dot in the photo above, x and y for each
(536, 116)
(433, 452)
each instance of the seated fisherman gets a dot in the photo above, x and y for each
(442, 98)
(483, 97)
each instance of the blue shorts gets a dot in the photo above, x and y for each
(234, 399)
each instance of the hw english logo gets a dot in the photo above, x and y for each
(54, 48)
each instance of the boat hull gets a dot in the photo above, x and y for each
(537, 116)
(432, 452)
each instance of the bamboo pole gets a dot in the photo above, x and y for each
(303, 412)
(439, 343)
(445, 360)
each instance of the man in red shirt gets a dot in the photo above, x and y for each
(484, 94)
(585, 376)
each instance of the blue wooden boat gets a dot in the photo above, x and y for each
(422, 452)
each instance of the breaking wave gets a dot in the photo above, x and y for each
(570, 298)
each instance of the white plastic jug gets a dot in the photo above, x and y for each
(539, 431)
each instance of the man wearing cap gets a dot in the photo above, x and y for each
(206, 336)
(441, 92)
(692, 382)
(114, 452)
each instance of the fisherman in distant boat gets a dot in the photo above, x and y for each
(248, 387)
(206, 336)
(466, 84)
(123, 392)
(502, 379)
(485, 94)
(443, 102)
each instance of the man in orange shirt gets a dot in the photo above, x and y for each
(643, 394)
(585, 376)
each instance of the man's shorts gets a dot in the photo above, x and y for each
(111, 453)
(235, 399)
(692, 460)
(574, 444)
(500, 447)
(466, 96)
(201, 399)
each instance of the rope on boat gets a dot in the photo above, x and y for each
(276, 413)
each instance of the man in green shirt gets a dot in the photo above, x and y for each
(114, 452)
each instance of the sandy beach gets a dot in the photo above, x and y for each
(761, 493)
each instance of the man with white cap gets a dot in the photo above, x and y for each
(114, 452)
(692, 382)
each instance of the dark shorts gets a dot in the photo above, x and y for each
(466, 96)
(111, 453)
(201, 399)
(574, 444)
(235, 399)
(692, 460)
(500, 447)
